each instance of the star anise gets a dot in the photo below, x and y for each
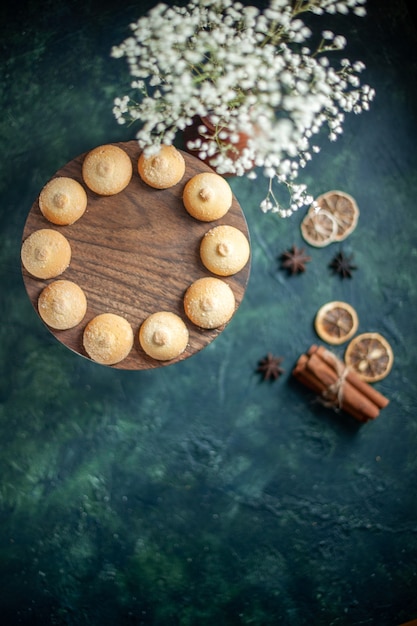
(294, 260)
(342, 265)
(270, 367)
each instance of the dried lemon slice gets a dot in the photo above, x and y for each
(370, 356)
(319, 227)
(344, 210)
(336, 322)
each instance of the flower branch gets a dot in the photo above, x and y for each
(247, 71)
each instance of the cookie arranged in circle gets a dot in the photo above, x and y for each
(224, 250)
(62, 304)
(207, 196)
(63, 200)
(163, 335)
(163, 169)
(46, 253)
(107, 170)
(108, 338)
(209, 302)
(132, 253)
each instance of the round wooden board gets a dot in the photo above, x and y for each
(136, 253)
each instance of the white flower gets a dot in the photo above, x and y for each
(327, 34)
(339, 42)
(248, 71)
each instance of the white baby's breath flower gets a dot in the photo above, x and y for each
(327, 34)
(339, 42)
(244, 70)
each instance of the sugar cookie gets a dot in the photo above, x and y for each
(163, 335)
(63, 200)
(209, 302)
(207, 196)
(107, 170)
(62, 304)
(46, 253)
(108, 338)
(162, 170)
(224, 250)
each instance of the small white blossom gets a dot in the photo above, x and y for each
(242, 70)
(327, 34)
(339, 42)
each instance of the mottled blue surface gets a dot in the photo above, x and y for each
(197, 494)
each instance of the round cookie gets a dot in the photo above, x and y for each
(224, 250)
(162, 170)
(63, 200)
(108, 338)
(207, 196)
(163, 336)
(107, 170)
(209, 302)
(62, 304)
(46, 253)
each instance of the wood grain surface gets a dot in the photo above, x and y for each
(135, 253)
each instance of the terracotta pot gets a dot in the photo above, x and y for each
(191, 133)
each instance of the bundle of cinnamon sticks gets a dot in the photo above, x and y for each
(338, 386)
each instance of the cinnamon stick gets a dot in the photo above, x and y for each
(375, 396)
(318, 388)
(307, 378)
(323, 373)
(351, 398)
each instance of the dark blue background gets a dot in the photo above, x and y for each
(197, 494)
